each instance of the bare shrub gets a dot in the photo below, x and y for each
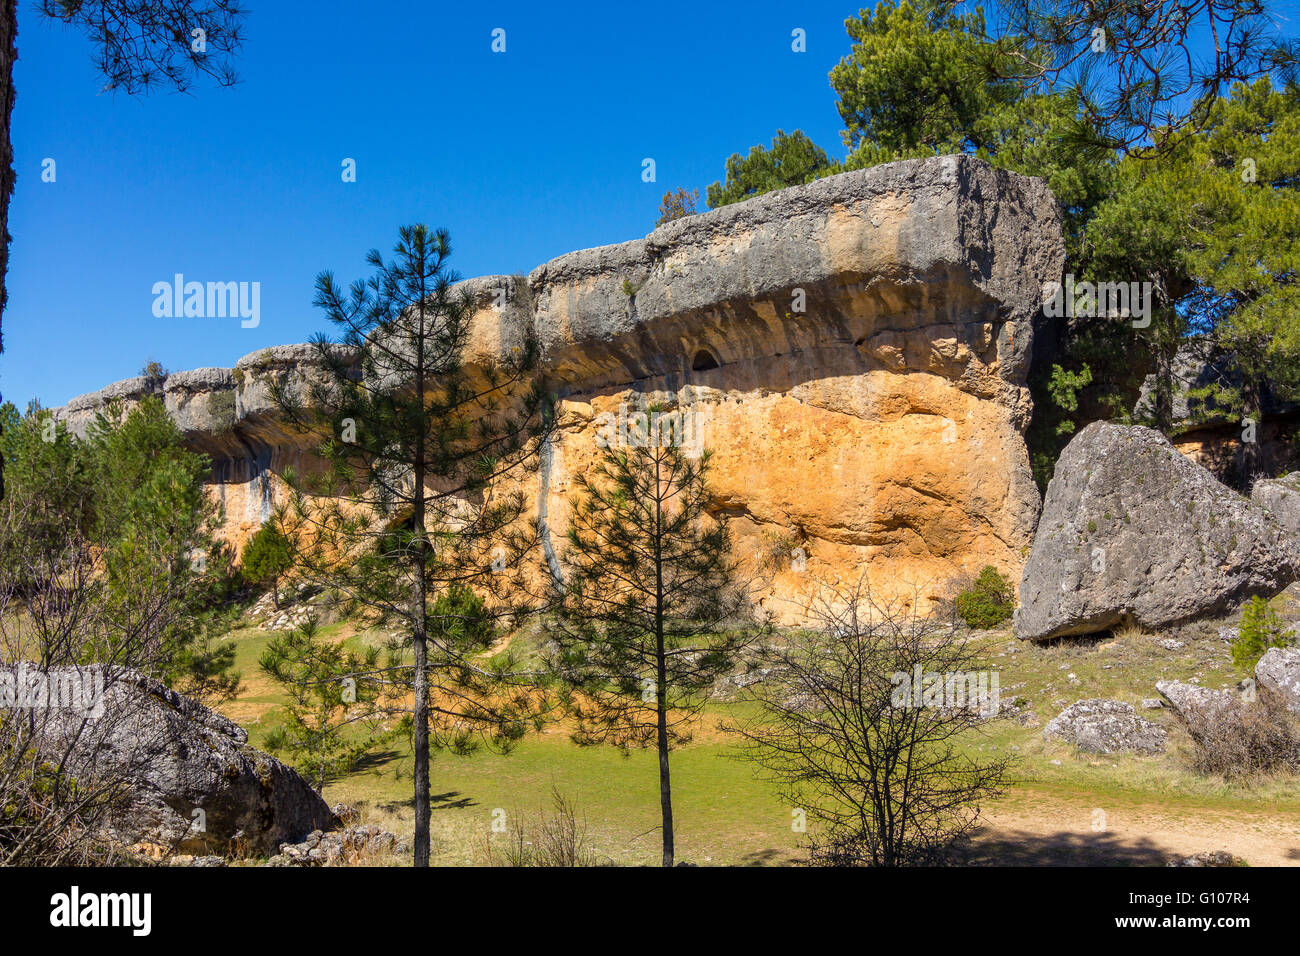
(885, 776)
(1242, 740)
(555, 839)
(66, 638)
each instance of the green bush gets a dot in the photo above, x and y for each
(462, 617)
(267, 556)
(988, 602)
(1261, 629)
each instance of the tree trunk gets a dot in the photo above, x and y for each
(1164, 392)
(1254, 458)
(419, 610)
(8, 53)
(665, 788)
(661, 681)
(421, 733)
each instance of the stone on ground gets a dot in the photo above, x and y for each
(1281, 497)
(1106, 727)
(1278, 672)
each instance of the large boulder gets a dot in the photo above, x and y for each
(1133, 531)
(1106, 727)
(1278, 672)
(1281, 498)
(1199, 367)
(185, 776)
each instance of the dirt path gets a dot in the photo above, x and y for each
(1063, 834)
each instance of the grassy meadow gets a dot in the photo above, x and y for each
(1062, 806)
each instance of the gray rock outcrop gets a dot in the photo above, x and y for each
(1106, 727)
(364, 844)
(1281, 498)
(185, 776)
(1278, 672)
(1198, 368)
(1133, 531)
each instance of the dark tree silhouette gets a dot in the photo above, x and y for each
(1146, 74)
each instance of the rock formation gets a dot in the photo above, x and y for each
(1212, 434)
(1194, 704)
(1133, 531)
(854, 351)
(1281, 497)
(192, 782)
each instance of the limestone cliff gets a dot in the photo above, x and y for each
(855, 352)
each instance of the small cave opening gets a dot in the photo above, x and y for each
(703, 361)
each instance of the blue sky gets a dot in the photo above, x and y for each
(522, 156)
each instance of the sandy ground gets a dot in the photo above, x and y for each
(1141, 835)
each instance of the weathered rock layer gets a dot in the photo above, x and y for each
(854, 351)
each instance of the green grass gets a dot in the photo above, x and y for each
(725, 814)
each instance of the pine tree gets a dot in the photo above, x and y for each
(412, 504)
(153, 522)
(128, 499)
(651, 613)
(332, 720)
(1214, 223)
(267, 556)
(792, 160)
(1244, 258)
(677, 204)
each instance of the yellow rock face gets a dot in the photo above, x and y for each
(903, 477)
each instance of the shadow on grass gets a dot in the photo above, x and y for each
(768, 857)
(1019, 848)
(375, 760)
(451, 800)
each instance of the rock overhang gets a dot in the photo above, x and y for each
(912, 240)
(884, 308)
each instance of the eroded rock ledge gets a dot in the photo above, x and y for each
(881, 427)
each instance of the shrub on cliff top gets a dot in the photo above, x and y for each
(987, 602)
(678, 205)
